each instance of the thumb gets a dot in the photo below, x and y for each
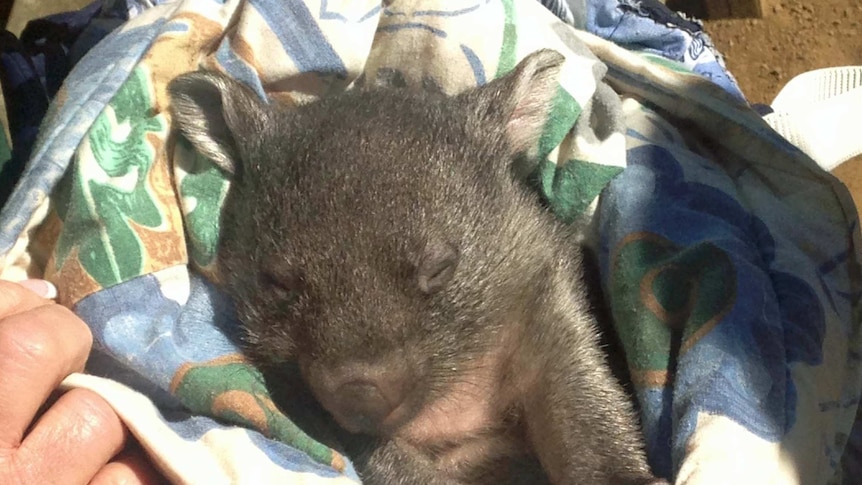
(43, 288)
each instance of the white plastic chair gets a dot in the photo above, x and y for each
(820, 112)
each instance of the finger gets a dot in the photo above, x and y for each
(38, 348)
(131, 467)
(72, 441)
(43, 288)
(20, 297)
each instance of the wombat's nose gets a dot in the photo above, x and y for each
(362, 395)
(361, 406)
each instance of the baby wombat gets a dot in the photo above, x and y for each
(379, 239)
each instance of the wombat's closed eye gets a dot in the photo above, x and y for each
(437, 267)
(284, 284)
(434, 308)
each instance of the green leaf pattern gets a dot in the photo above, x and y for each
(203, 188)
(666, 297)
(203, 384)
(107, 188)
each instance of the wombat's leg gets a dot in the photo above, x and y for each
(578, 419)
(397, 463)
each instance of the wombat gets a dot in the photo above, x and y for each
(379, 239)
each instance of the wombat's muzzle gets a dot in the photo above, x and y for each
(361, 407)
(360, 396)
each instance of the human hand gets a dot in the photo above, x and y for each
(72, 438)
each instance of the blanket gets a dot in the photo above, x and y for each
(729, 259)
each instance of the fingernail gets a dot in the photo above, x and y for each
(43, 288)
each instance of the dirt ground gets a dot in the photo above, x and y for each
(794, 36)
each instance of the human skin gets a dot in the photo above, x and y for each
(45, 436)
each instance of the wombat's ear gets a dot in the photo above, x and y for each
(523, 98)
(216, 114)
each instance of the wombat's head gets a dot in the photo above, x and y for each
(377, 237)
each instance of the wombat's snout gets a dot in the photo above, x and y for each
(362, 406)
(361, 396)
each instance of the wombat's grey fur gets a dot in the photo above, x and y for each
(379, 239)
